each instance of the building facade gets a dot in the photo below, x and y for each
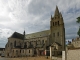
(34, 44)
(2, 52)
(73, 46)
(75, 43)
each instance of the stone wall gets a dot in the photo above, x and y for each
(73, 54)
(76, 43)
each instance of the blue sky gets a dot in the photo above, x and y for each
(34, 16)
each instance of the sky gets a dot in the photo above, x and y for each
(34, 16)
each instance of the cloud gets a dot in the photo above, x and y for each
(4, 34)
(34, 16)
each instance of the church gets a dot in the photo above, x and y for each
(35, 44)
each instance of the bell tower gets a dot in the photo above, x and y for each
(57, 29)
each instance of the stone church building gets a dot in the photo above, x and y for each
(34, 44)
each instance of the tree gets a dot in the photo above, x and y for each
(78, 32)
(78, 21)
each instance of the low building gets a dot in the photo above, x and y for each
(2, 52)
(76, 42)
(73, 49)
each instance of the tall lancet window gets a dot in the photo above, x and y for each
(14, 43)
(53, 23)
(58, 22)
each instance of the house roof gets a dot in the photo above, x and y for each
(1, 49)
(17, 35)
(38, 34)
(56, 43)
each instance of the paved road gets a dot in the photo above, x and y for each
(28, 58)
(3, 59)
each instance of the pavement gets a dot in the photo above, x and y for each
(30, 58)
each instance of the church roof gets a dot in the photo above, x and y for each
(17, 35)
(38, 34)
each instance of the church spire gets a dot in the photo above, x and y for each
(56, 11)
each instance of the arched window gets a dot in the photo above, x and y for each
(14, 43)
(58, 22)
(16, 50)
(20, 51)
(53, 23)
(55, 17)
(42, 41)
(29, 51)
(8, 54)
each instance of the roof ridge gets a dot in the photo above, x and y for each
(38, 32)
(17, 33)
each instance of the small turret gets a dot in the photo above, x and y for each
(24, 34)
(61, 15)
